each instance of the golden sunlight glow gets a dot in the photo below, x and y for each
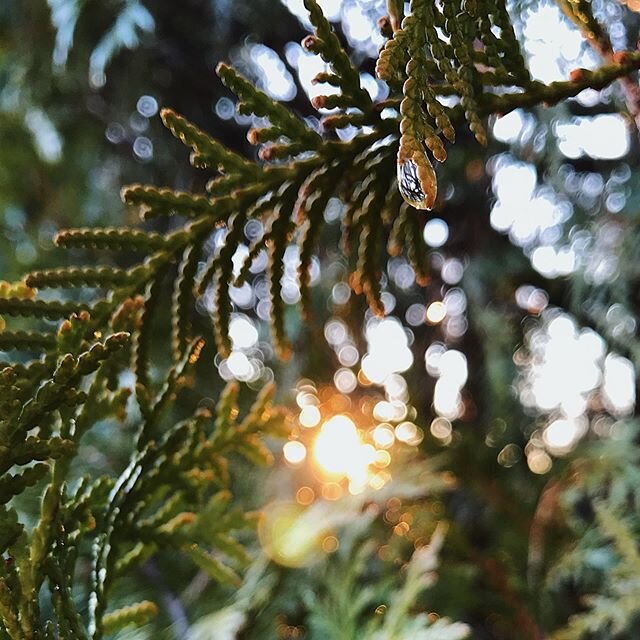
(339, 451)
(344, 445)
(337, 441)
(287, 536)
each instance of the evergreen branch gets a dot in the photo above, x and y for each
(222, 266)
(327, 45)
(538, 93)
(111, 239)
(135, 614)
(580, 13)
(279, 235)
(12, 485)
(26, 341)
(153, 202)
(68, 616)
(458, 25)
(173, 379)
(142, 339)
(52, 310)
(106, 277)
(8, 613)
(512, 58)
(209, 563)
(180, 307)
(207, 152)
(54, 392)
(38, 449)
(257, 102)
(310, 205)
(163, 498)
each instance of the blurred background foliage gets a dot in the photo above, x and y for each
(518, 358)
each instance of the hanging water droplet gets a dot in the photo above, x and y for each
(416, 179)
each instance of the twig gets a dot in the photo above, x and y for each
(595, 34)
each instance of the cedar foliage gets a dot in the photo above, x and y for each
(173, 493)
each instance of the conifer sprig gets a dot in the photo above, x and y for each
(174, 492)
(428, 55)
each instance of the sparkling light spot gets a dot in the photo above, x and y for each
(332, 491)
(239, 365)
(339, 452)
(561, 434)
(441, 428)
(539, 461)
(603, 136)
(294, 452)
(330, 544)
(305, 495)
(436, 232)
(345, 380)
(388, 350)
(337, 441)
(382, 459)
(383, 436)
(242, 332)
(436, 312)
(383, 411)
(408, 432)
(309, 416)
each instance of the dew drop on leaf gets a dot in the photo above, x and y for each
(416, 180)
